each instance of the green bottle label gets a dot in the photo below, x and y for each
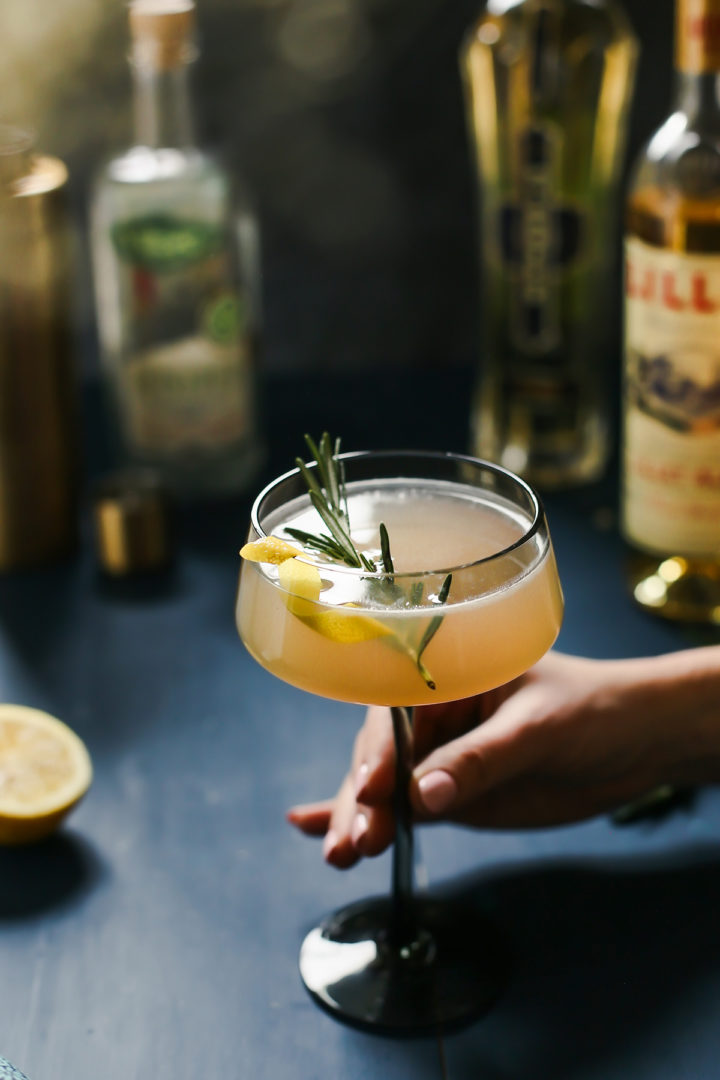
(165, 244)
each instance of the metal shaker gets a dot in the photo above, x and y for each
(38, 424)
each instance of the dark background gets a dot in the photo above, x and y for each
(346, 119)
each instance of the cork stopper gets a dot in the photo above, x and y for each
(162, 32)
(697, 36)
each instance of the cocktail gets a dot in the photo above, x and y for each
(399, 579)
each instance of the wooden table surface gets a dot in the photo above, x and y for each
(157, 934)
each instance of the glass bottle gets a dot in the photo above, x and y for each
(176, 280)
(548, 84)
(671, 400)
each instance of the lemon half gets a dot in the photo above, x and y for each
(45, 770)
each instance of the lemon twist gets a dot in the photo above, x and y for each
(268, 549)
(302, 584)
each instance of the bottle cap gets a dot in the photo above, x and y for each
(162, 32)
(132, 524)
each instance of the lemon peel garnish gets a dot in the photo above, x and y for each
(344, 628)
(269, 549)
(303, 584)
(300, 579)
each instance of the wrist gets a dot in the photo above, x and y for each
(681, 699)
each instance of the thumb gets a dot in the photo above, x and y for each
(456, 774)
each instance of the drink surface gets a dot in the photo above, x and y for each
(548, 85)
(500, 616)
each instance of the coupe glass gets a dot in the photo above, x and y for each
(406, 963)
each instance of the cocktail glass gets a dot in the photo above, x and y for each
(406, 963)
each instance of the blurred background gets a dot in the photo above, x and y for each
(346, 119)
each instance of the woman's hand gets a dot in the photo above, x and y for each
(570, 739)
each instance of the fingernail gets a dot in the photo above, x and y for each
(361, 778)
(437, 790)
(359, 828)
(329, 843)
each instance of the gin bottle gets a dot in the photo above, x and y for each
(548, 84)
(175, 272)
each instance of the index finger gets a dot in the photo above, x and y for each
(374, 753)
(374, 757)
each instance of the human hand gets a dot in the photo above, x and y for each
(570, 739)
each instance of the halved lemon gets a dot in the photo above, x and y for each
(45, 770)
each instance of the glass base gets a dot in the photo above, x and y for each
(448, 977)
(679, 588)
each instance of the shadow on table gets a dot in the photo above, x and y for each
(37, 606)
(604, 953)
(45, 876)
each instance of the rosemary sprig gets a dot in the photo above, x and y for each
(385, 549)
(330, 501)
(328, 495)
(326, 457)
(321, 543)
(431, 630)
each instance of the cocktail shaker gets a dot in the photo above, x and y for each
(37, 384)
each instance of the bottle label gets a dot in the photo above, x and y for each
(671, 498)
(540, 238)
(188, 395)
(185, 384)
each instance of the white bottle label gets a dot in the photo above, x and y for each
(191, 394)
(184, 385)
(671, 498)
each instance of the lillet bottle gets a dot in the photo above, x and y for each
(548, 84)
(174, 259)
(671, 438)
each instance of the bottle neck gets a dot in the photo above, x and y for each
(697, 95)
(697, 58)
(163, 114)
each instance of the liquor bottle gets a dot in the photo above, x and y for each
(174, 258)
(671, 399)
(548, 84)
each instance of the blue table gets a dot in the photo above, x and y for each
(157, 934)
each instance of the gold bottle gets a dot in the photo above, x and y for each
(671, 400)
(37, 392)
(548, 86)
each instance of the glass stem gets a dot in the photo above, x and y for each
(403, 929)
